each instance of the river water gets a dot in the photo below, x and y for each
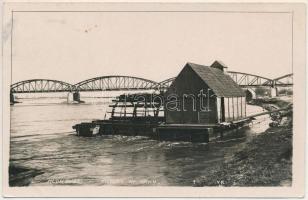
(42, 138)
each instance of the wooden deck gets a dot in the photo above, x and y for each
(187, 126)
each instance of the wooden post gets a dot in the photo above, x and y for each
(228, 109)
(232, 108)
(241, 107)
(121, 111)
(245, 107)
(125, 107)
(113, 109)
(145, 108)
(237, 107)
(223, 109)
(218, 109)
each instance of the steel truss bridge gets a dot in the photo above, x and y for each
(103, 83)
(250, 80)
(118, 83)
(114, 83)
(40, 86)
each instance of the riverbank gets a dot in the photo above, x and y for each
(268, 103)
(264, 161)
(21, 176)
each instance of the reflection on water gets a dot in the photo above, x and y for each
(42, 138)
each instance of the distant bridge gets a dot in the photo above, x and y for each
(103, 83)
(286, 80)
(117, 83)
(114, 83)
(40, 86)
(249, 80)
(166, 83)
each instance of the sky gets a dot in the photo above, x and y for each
(76, 46)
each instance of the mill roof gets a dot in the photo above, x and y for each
(221, 84)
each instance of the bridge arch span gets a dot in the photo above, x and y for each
(286, 80)
(40, 86)
(166, 83)
(114, 83)
(246, 80)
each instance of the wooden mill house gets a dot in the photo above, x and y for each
(202, 99)
(223, 100)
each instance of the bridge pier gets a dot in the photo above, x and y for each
(74, 97)
(12, 98)
(274, 91)
(250, 94)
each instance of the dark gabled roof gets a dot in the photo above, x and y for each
(221, 84)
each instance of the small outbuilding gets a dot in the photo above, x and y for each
(204, 95)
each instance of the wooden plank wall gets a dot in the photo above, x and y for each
(235, 108)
